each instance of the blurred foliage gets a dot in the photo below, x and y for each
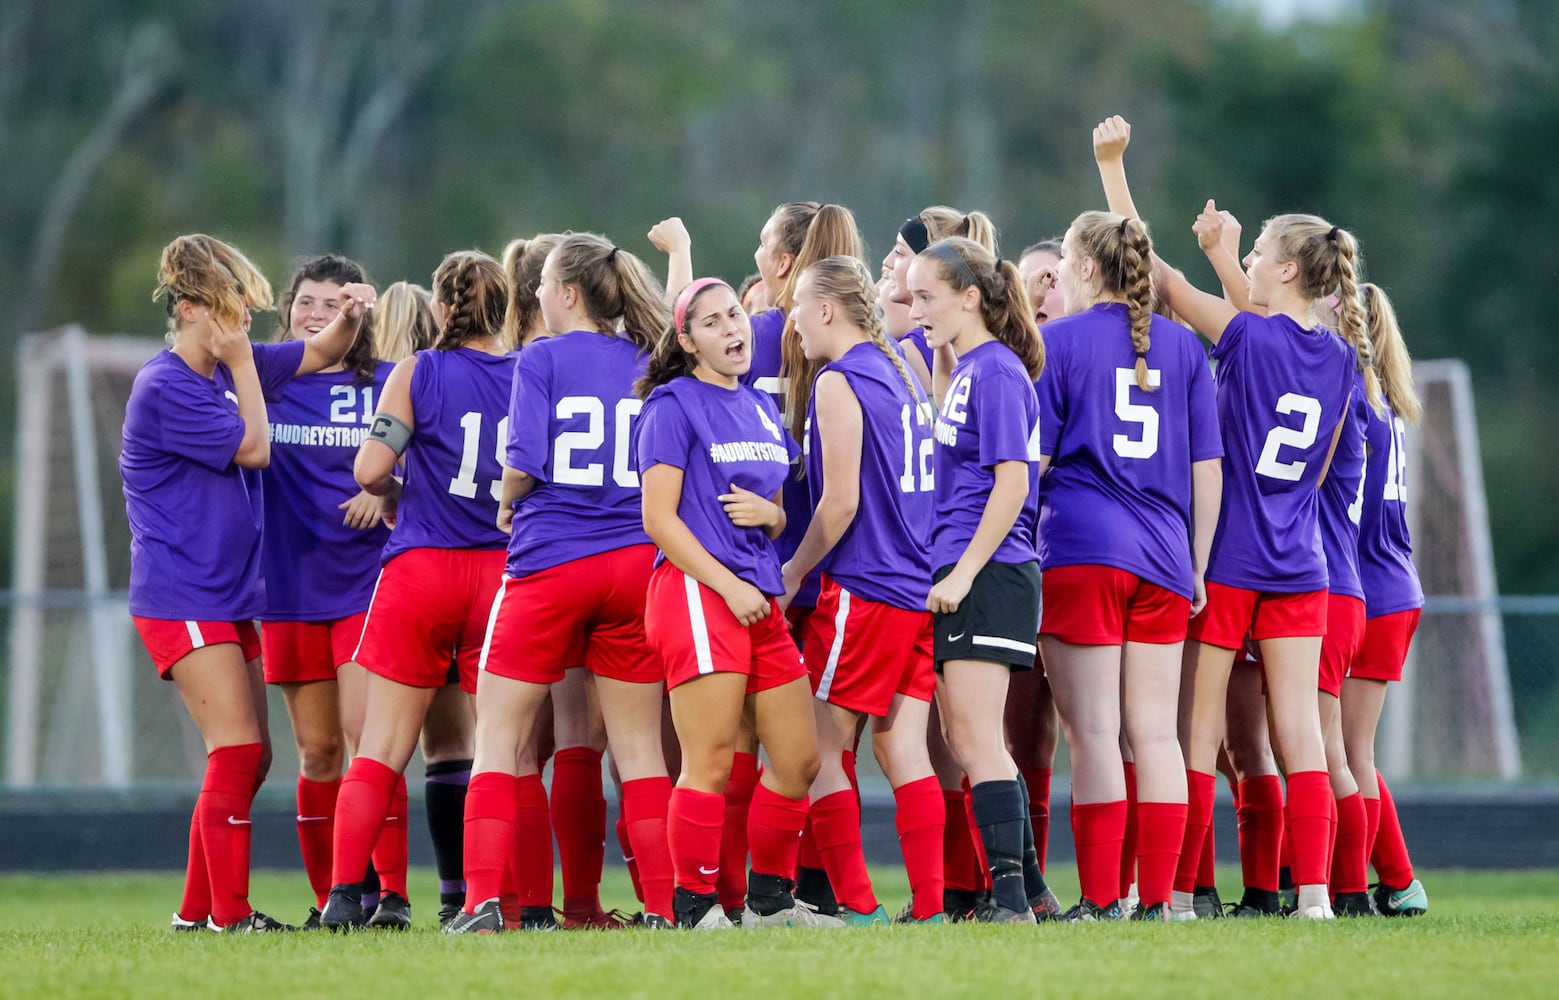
(398, 130)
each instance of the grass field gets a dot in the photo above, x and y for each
(1494, 934)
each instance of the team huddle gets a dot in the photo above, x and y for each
(553, 509)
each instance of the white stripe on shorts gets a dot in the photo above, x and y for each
(695, 614)
(826, 684)
(492, 620)
(196, 640)
(359, 647)
(999, 643)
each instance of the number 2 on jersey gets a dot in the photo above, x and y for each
(1294, 437)
(568, 443)
(464, 483)
(907, 480)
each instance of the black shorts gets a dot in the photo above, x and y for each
(998, 619)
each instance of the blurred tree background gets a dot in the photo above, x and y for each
(397, 130)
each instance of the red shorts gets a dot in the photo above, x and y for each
(861, 653)
(694, 633)
(1105, 606)
(431, 606)
(796, 616)
(1344, 638)
(300, 652)
(169, 641)
(1232, 613)
(588, 611)
(1384, 650)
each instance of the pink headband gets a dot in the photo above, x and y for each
(687, 295)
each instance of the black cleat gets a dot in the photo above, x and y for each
(312, 923)
(1206, 904)
(1156, 912)
(1256, 903)
(1087, 912)
(960, 904)
(814, 889)
(257, 923)
(448, 912)
(700, 911)
(655, 922)
(1353, 904)
(537, 918)
(988, 911)
(394, 912)
(183, 926)
(344, 909)
(1045, 906)
(488, 919)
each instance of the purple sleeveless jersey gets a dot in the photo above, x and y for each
(1282, 390)
(884, 555)
(718, 437)
(1385, 550)
(459, 405)
(989, 415)
(571, 418)
(194, 515)
(1342, 498)
(1118, 490)
(317, 568)
(916, 338)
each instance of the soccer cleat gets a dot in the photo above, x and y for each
(343, 909)
(1410, 901)
(1206, 904)
(700, 911)
(185, 926)
(1257, 903)
(1045, 906)
(1312, 913)
(814, 889)
(537, 918)
(656, 922)
(853, 919)
(488, 919)
(960, 904)
(1353, 904)
(601, 920)
(312, 923)
(1150, 914)
(393, 912)
(797, 914)
(907, 916)
(448, 912)
(257, 923)
(1087, 912)
(988, 911)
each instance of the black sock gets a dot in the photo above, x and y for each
(813, 886)
(768, 894)
(1033, 879)
(999, 812)
(445, 799)
(370, 898)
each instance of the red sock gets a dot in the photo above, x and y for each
(196, 904)
(489, 835)
(224, 827)
(390, 850)
(1331, 838)
(1390, 855)
(808, 855)
(774, 830)
(836, 822)
(847, 761)
(532, 858)
(1261, 831)
(1371, 826)
(579, 821)
(1286, 848)
(1207, 870)
(629, 861)
(958, 864)
(733, 835)
(1201, 789)
(1308, 825)
(1129, 848)
(1037, 779)
(982, 864)
(361, 806)
(694, 823)
(1160, 832)
(1350, 862)
(921, 819)
(1097, 831)
(645, 801)
(316, 829)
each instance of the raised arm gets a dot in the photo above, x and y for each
(671, 237)
(232, 348)
(330, 345)
(1212, 229)
(1110, 139)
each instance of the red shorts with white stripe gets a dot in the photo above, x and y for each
(1232, 613)
(694, 633)
(861, 653)
(431, 606)
(1105, 606)
(1384, 650)
(169, 641)
(1344, 639)
(300, 652)
(588, 611)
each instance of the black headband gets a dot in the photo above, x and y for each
(914, 233)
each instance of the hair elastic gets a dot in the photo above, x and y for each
(1332, 236)
(685, 299)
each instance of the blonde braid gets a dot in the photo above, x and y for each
(1352, 317)
(1137, 283)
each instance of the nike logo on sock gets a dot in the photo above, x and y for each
(955, 638)
(235, 821)
(708, 871)
(312, 819)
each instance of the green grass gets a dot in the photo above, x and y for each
(107, 935)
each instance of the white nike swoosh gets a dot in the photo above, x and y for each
(708, 871)
(955, 638)
(313, 819)
(235, 821)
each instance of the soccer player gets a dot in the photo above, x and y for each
(917, 233)
(868, 646)
(713, 458)
(985, 591)
(195, 436)
(578, 567)
(442, 409)
(1393, 600)
(1128, 502)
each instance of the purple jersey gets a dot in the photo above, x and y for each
(194, 514)
(1385, 550)
(1342, 497)
(1118, 490)
(317, 568)
(1281, 391)
(884, 555)
(989, 415)
(719, 437)
(571, 417)
(768, 328)
(916, 338)
(459, 405)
